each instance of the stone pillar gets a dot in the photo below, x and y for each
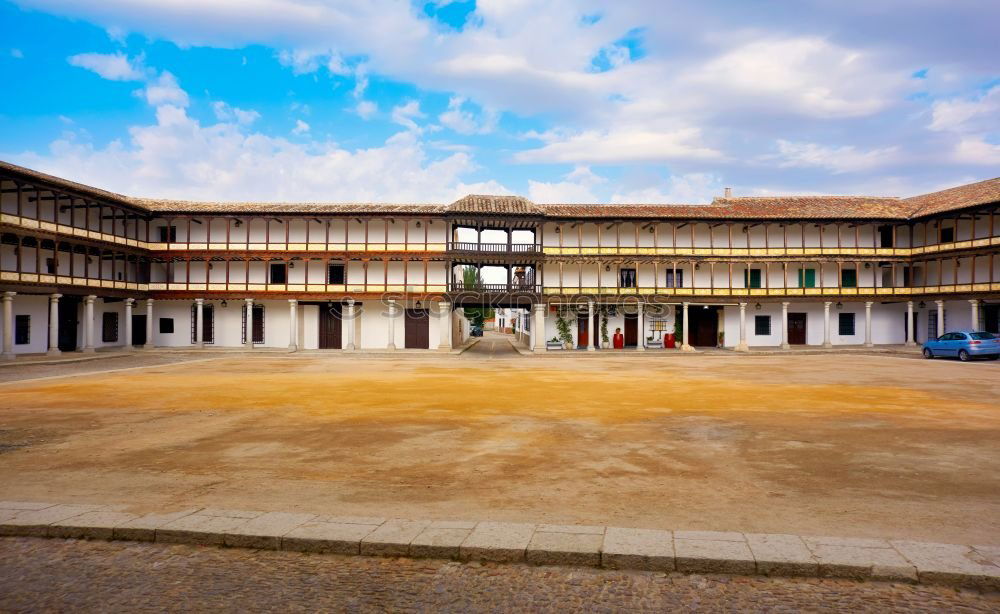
(940, 317)
(538, 328)
(391, 346)
(784, 325)
(641, 346)
(590, 324)
(444, 326)
(88, 323)
(826, 325)
(149, 325)
(868, 324)
(248, 306)
(685, 340)
(349, 321)
(974, 303)
(293, 325)
(54, 325)
(199, 319)
(8, 325)
(128, 324)
(909, 324)
(742, 346)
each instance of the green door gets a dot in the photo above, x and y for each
(807, 278)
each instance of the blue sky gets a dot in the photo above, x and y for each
(560, 101)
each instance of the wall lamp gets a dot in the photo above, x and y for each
(757, 306)
(840, 305)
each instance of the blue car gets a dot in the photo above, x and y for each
(964, 344)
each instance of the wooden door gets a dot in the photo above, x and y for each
(417, 328)
(330, 327)
(631, 330)
(582, 331)
(208, 324)
(138, 329)
(258, 324)
(596, 327)
(797, 329)
(69, 307)
(704, 326)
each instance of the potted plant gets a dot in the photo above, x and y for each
(554, 344)
(649, 341)
(605, 342)
(564, 333)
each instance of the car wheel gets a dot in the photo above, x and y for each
(928, 353)
(963, 355)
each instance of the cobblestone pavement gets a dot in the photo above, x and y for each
(492, 345)
(60, 575)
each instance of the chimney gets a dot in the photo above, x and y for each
(729, 192)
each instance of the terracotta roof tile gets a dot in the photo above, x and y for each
(479, 203)
(189, 206)
(970, 195)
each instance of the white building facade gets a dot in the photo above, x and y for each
(83, 269)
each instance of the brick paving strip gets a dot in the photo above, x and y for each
(539, 544)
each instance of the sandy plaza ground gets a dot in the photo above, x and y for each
(836, 444)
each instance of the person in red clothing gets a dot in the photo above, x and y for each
(619, 339)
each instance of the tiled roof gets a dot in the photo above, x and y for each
(969, 195)
(479, 203)
(762, 207)
(190, 206)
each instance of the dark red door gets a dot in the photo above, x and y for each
(330, 326)
(417, 327)
(631, 330)
(797, 328)
(582, 331)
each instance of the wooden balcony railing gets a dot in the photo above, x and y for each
(495, 248)
(522, 288)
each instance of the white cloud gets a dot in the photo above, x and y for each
(224, 112)
(576, 187)
(962, 114)
(300, 127)
(301, 61)
(165, 90)
(844, 159)
(405, 114)
(366, 109)
(622, 144)
(690, 188)
(465, 122)
(976, 150)
(112, 66)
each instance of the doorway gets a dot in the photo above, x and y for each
(703, 325)
(330, 326)
(139, 329)
(631, 330)
(69, 322)
(796, 329)
(582, 331)
(417, 328)
(991, 318)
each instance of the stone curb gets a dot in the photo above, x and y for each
(505, 542)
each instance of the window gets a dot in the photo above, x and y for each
(109, 327)
(279, 273)
(845, 324)
(807, 278)
(675, 282)
(751, 278)
(50, 266)
(258, 324)
(947, 235)
(885, 236)
(849, 278)
(626, 278)
(22, 330)
(166, 326)
(762, 325)
(168, 234)
(207, 323)
(982, 335)
(335, 274)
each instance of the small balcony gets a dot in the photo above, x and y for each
(526, 287)
(494, 248)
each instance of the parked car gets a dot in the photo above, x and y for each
(476, 331)
(964, 344)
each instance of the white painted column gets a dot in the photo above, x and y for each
(868, 324)
(248, 306)
(974, 303)
(293, 325)
(909, 324)
(8, 325)
(538, 329)
(685, 340)
(391, 346)
(742, 346)
(784, 326)
(127, 346)
(88, 323)
(826, 325)
(349, 321)
(54, 325)
(641, 346)
(444, 326)
(590, 325)
(199, 319)
(149, 325)
(940, 317)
